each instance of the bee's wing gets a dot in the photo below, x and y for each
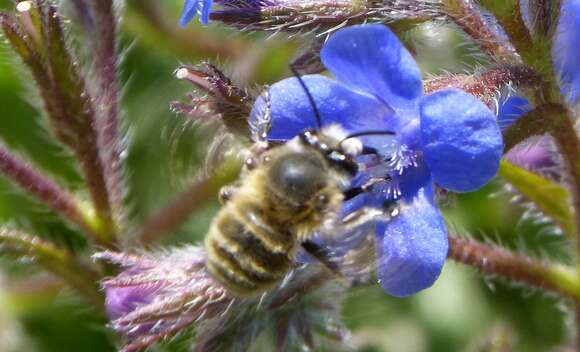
(347, 248)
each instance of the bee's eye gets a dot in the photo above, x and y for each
(298, 176)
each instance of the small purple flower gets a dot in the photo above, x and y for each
(448, 138)
(538, 156)
(566, 50)
(159, 294)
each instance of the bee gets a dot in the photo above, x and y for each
(288, 192)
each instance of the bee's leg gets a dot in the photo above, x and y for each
(226, 193)
(323, 255)
(348, 256)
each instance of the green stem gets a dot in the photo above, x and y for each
(568, 143)
(533, 123)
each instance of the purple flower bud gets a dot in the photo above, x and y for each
(220, 98)
(159, 294)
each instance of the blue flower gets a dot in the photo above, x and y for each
(448, 138)
(192, 8)
(566, 50)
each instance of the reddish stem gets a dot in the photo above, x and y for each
(468, 16)
(43, 189)
(513, 267)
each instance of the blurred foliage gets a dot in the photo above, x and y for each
(461, 313)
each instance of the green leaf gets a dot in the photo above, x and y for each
(58, 261)
(551, 198)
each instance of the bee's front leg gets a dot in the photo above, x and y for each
(226, 193)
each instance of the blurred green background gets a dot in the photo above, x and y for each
(462, 312)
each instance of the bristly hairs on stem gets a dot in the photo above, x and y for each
(516, 268)
(486, 83)
(37, 36)
(107, 96)
(468, 16)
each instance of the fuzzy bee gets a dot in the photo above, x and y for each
(288, 193)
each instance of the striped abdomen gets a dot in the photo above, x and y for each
(246, 253)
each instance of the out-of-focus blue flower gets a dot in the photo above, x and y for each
(510, 109)
(231, 11)
(566, 50)
(192, 8)
(448, 138)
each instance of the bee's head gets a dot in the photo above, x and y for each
(338, 148)
(332, 144)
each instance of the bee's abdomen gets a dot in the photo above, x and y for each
(245, 254)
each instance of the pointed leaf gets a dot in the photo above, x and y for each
(58, 261)
(551, 198)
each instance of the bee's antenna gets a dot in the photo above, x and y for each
(310, 98)
(370, 133)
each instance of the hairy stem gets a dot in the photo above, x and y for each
(499, 262)
(46, 191)
(534, 51)
(69, 109)
(485, 84)
(536, 122)
(544, 16)
(105, 67)
(568, 143)
(564, 132)
(467, 15)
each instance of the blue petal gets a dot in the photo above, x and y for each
(412, 247)
(510, 110)
(192, 8)
(292, 112)
(566, 50)
(462, 143)
(371, 58)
